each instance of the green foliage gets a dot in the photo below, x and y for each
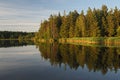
(16, 35)
(72, 20)
(118, 32)
(80, 25)
(111, 25)
(14, 43)
(95, 23)
(64, 29)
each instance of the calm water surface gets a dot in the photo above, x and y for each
(20, 61)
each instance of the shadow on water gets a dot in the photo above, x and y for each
(15, 43)
(96, 59)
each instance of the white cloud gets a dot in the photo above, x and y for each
(8, 14)
(11, 15)
(24, 28)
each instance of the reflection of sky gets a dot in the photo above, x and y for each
(19, 57)
(25, 63)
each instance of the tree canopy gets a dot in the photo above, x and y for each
(93, 23)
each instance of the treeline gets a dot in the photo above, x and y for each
(16, 35)
(15, 43)
(93, 23)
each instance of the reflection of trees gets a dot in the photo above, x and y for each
(95, 58)
(11, 43)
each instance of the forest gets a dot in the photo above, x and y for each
(16, 35)
(102, 22)
(15, 43)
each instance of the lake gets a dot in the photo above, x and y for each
(45, 61)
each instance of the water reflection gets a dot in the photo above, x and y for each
(14, 43)
(96, 59)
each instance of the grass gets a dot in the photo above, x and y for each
(94, 41)
(102, 41)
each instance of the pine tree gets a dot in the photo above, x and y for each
(64, 29)
(116, 16)
(104, 26)
(92, 24)
(80, 26)
(72, 19)
(58, 22)
(110, 20)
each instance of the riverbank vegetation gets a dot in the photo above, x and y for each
(98, 23)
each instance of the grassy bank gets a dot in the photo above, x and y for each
(107, 41)
(44, 40)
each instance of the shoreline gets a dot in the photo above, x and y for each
(107, 41)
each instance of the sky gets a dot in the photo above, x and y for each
(26, 15)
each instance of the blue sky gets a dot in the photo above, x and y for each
(31, 12)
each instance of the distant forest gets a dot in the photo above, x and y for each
(102, 22)
(13, 43)
(16, 35)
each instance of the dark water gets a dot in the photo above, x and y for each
(25, 61)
